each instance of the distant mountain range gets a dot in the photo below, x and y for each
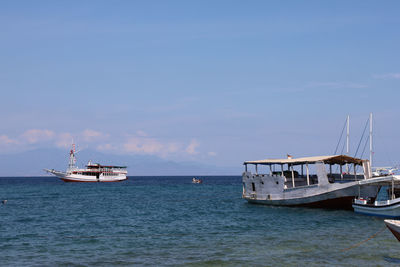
(32, 163)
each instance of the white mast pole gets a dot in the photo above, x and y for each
(370, 139)
(347, 141)
(348, 135)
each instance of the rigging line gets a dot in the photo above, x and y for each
(359, 243)
(341, 135)
(344, 144)
(365, 145)
(341, 153)
(362, 137)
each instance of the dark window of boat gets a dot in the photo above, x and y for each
(253, 186)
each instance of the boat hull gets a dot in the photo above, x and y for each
(334, 203)
(86, 178)
(384, 211)
(337, 199)
(271, 190)
(91, 180)
(394, 227)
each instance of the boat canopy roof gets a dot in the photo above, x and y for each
(334, 159)
(98, 166)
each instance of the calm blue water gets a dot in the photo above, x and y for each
(168, 221)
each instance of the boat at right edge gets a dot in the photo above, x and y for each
(306, 181)
(332, 181)
(394, 227)
(386, 203)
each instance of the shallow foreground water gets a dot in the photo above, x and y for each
(168, 221)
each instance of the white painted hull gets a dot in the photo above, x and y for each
(86, 178)
(335, 197)
(389, 210)
(394, 227)
(80, 178)
(272, 190)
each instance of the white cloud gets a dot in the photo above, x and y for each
(143, 145)
(387, 76)
(64, 140)
(153, 146)
(5, 140)
(173, 147)
(37, 135)
(141, 133)
(191, 148)
(91, 135)
(140, 143)
(106, 147)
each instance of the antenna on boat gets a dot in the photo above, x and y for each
(72, 159)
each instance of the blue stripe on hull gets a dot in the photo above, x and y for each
(378, 215)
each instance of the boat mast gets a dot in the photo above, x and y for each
(347, 140)
(72, 159)
(370, 139)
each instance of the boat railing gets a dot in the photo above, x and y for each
(381, 202)
(360, 201)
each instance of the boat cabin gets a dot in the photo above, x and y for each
(308, 171)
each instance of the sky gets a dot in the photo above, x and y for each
(210, 82)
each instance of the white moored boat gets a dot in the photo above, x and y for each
(322, 181)
(306, 181)
(94, 172)
(384, 203)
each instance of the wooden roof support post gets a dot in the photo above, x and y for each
(256, 168)
(355, 172)
(282, 169)
(341, 171)
(393, 196)
(308, 174)
(245, 167)
(292, 175)
(270, 169)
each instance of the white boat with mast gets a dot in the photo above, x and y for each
(94, 172)
(385, 203)
(286, 181)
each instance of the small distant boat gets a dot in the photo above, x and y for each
(94, 172)
(196, 181)
(394, 227)
(385, 204)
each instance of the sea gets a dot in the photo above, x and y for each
(168, 221)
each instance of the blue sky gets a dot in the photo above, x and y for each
(215, 82)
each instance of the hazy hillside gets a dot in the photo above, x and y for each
(32, 163)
